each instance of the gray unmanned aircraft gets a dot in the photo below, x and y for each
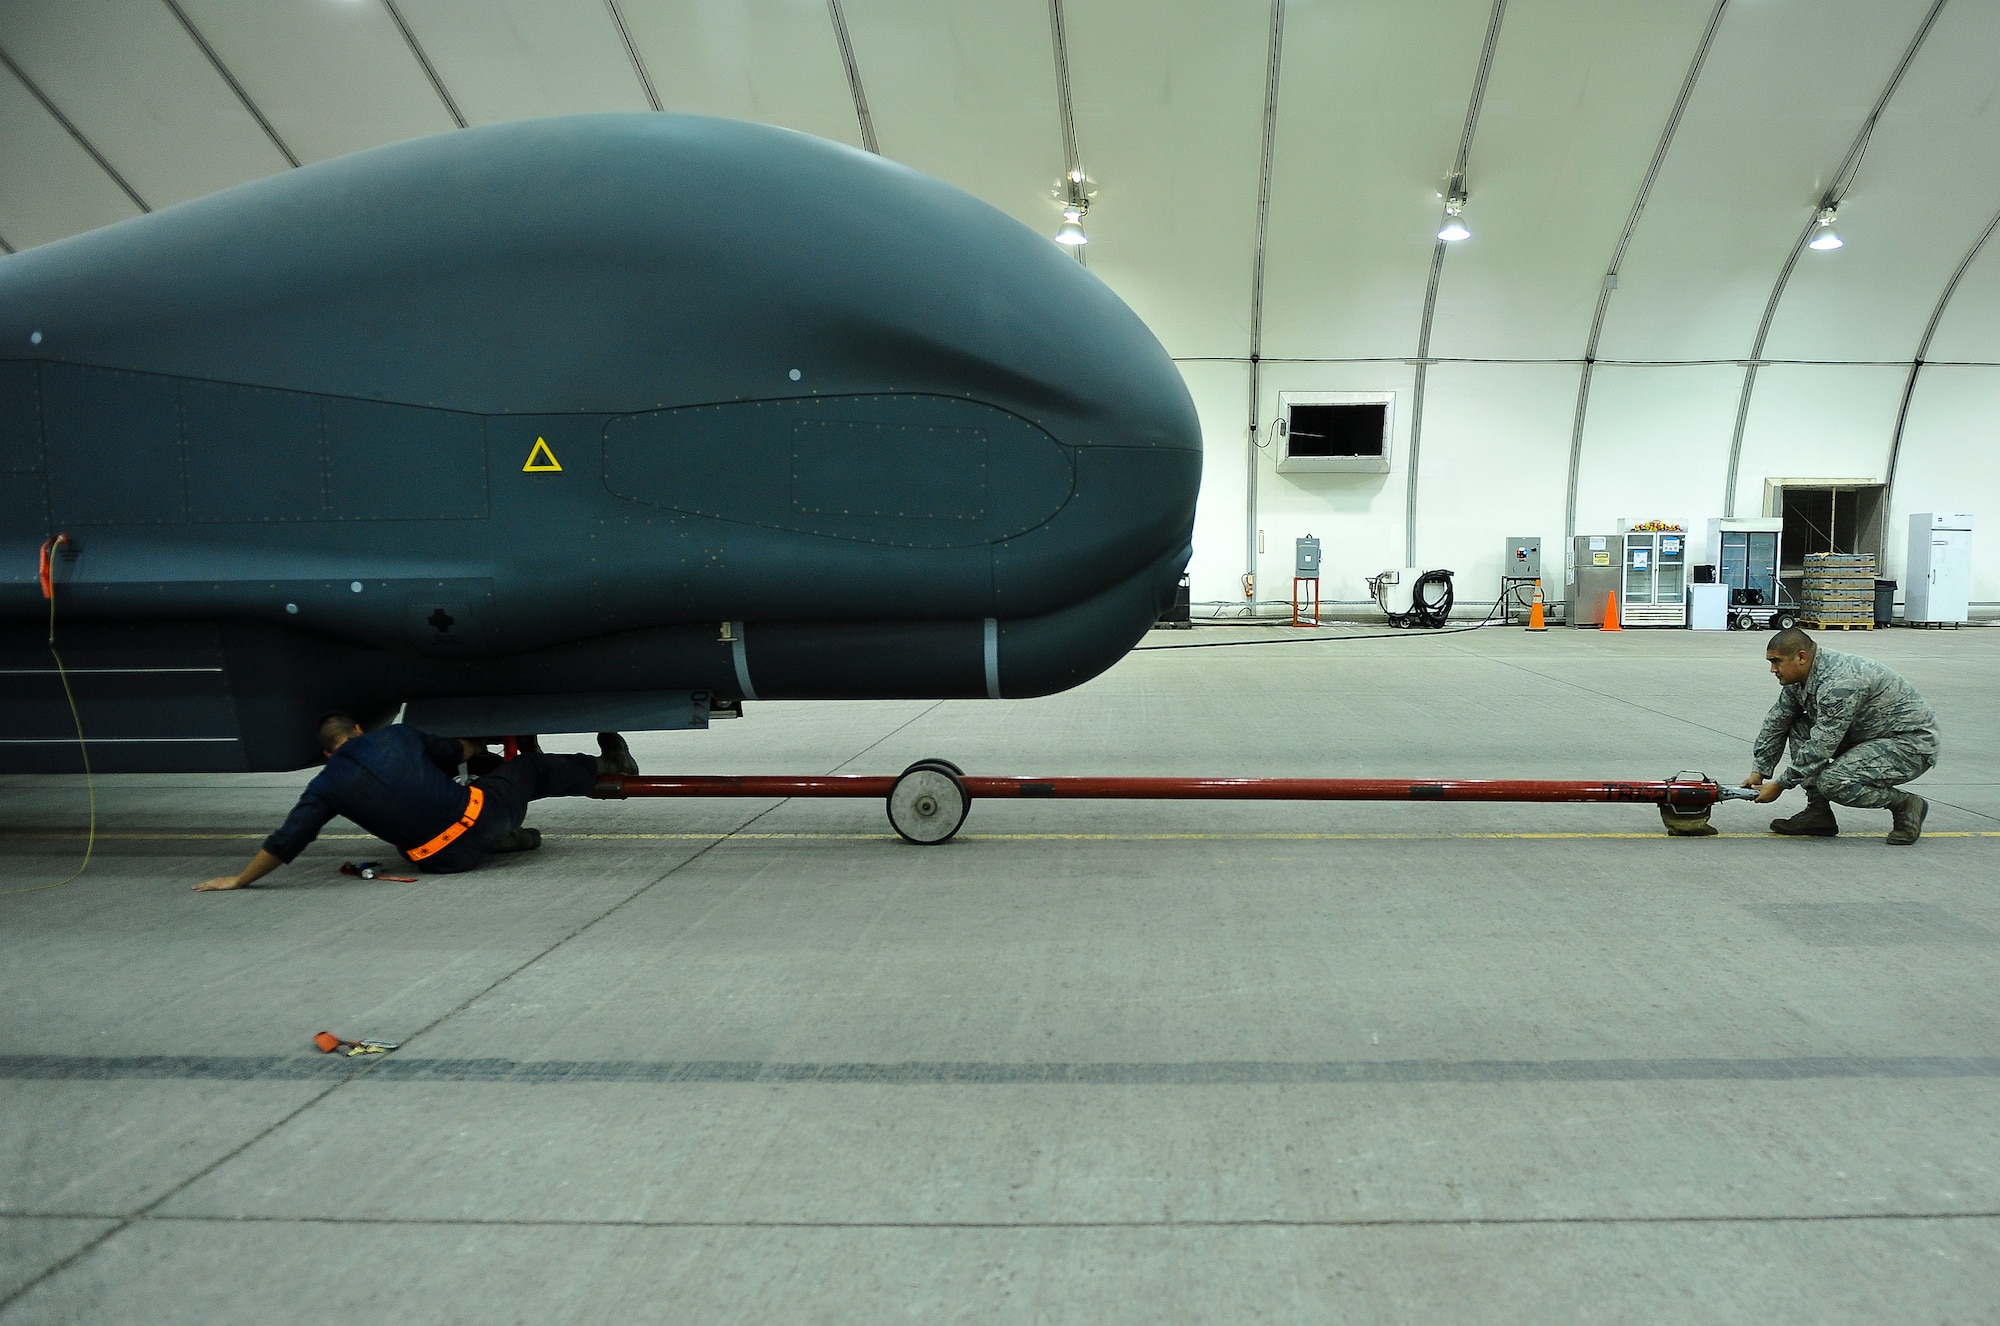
(570, 424)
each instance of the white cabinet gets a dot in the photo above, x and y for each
(1708, 607)
(1938, 573)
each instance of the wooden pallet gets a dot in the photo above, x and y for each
(1836, 623)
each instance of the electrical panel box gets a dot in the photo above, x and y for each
(1524, 559)
(1308, 559)
(1938, 575)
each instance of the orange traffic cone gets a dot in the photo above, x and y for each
(1536, 622)
(1611, 613)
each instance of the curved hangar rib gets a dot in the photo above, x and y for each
(297, 434)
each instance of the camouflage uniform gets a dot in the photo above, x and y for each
(1855, 728)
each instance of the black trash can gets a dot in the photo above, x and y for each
(1885, 601)
(1179, 617)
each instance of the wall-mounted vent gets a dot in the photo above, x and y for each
(1335, 431)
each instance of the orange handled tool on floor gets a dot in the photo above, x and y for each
(329, 1043)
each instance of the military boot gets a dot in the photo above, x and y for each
(614, 756)
(1909, 811)
(1815, 821)
(520, 838)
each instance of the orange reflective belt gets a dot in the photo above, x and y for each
(474, 800)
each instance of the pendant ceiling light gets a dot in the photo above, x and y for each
(1073, 194)
(1453, 230)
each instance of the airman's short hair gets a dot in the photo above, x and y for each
(334, 726)
(1790, 641)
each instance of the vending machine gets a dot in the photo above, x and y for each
(1654, 583)
(1744, 552)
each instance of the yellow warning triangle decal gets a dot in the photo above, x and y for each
(541, 460)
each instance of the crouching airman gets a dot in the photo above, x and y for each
(1856, 732)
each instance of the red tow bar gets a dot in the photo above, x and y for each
(930, 799)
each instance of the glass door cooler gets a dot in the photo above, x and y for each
(1656, 567)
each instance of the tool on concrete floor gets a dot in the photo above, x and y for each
(371, 870)
(329, 1043)
(929, 800)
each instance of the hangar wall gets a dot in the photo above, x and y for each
(1656, 444)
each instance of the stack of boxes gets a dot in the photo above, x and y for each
(1839, 591)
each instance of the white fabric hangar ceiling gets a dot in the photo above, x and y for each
(1268, 179)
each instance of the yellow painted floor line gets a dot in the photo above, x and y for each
(25, 836)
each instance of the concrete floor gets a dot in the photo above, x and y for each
(1093, 1062)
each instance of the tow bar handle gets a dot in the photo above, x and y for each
(928, 801)
(1682, 793)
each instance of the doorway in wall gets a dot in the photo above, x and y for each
(1824, 516)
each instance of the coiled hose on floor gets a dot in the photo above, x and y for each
(1427, 612)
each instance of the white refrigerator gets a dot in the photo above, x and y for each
(1938, 574)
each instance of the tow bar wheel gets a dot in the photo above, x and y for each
(928, 803)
